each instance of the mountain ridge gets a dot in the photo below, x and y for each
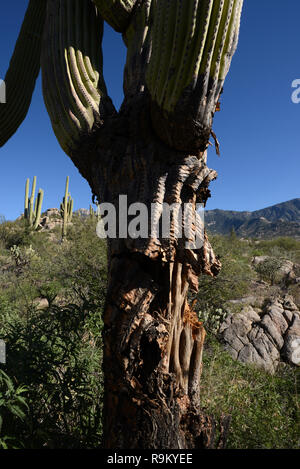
(281, 219)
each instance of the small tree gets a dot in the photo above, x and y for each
(268, 269)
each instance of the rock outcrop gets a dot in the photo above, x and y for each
(267, 338)
(51, 219)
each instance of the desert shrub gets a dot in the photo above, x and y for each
(264, 409)
(12, 410)
(13, 233)
(213, 318)
(56, 354)
(287, 248)
(268, 269)
(234, 278)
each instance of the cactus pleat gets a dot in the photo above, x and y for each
(73, 84)
(211, 69)
(231, 39)
(23, 70)
(193, 52)
(116, 12)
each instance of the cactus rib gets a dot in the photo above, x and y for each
(191, 53)
(23, 70)
(73, 85)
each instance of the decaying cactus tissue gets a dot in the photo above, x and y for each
(153, 151)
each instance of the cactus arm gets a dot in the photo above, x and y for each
(26, 199)
(65, 208)
(116, 12)
(31, 202)
(192, 43)
(231, 39)
(192, 48)
(73, 85)
(23, 70)
(70, 211)
(39, 204)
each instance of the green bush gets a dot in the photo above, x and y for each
(56, 354)
(12, 410)
(264, 409)
(234, 279)
(268, 269)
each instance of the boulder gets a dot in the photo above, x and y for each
(267, 339)
(258, 259)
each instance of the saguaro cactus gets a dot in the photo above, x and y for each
(66, 209)
(153, 151)
(92, 213)
(33, 206)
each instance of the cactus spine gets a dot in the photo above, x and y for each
(66, 209)
(33, 206)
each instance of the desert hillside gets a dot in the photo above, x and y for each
(51, 301)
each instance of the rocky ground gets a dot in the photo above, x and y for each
(264, 337)
(266, 331)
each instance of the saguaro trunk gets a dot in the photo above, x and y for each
(153, 346)
(153, 341)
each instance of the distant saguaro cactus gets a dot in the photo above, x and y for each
(66, 209)
(153, 151)
(33, 206)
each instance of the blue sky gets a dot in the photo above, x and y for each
(258, 126)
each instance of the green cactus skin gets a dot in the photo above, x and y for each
(39, 203)
(66, 209)
(33, 206)
(73, 86)
(26, 205)
(116, 12)
(180, 51)
(192, 40)
(31, 202)
(23, 70)
(70, 210)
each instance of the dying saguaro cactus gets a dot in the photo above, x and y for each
(33, 206)
(153, 151)
(66, 209)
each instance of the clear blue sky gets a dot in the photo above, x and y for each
(258, 126)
